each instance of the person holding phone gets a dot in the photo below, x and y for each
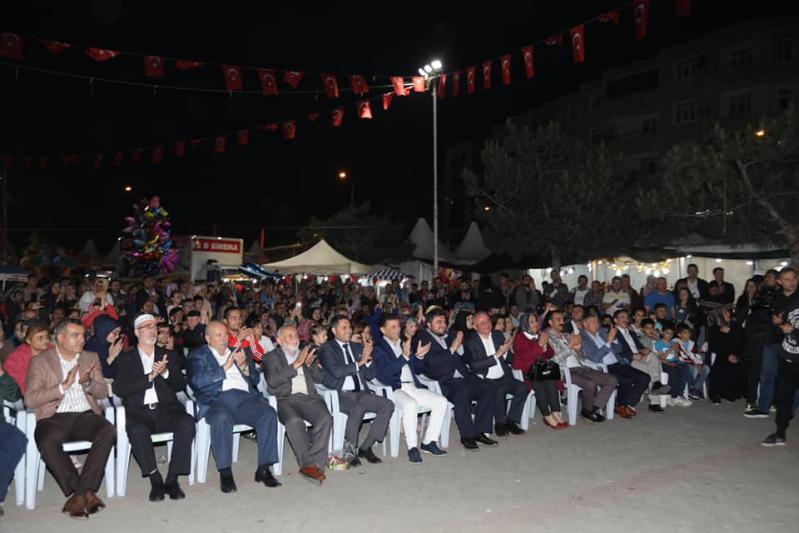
(291, 375)
(148, 380)
(107, 343)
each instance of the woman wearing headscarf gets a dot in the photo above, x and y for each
(530, 345)
(107, 343)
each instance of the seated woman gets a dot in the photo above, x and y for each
(728, 374)
(37, 340)
(529, 345)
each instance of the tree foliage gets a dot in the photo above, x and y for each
(548, 195)
(739, 186)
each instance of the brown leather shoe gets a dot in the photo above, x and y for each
(93, 503)
(312, 474)
(623, 411)
(75, 507)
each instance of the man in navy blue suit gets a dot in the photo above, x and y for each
(225, 383)
(459, 384)
(347, 369)
(484, 352)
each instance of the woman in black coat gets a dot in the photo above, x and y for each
(728, 373)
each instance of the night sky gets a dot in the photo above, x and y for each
(274, 183)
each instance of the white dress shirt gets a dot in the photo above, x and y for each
(405, 375)
(298, 385)
(496, 371)
(233, 376)
(349, 384)
(147, 361)
(74, 400)
(627, 337)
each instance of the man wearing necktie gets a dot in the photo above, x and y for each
(347, 368)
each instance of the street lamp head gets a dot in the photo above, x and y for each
(760, 133)
(428, 69)
(436, 64)
(128, 188)
(422, 72)
(342, 175)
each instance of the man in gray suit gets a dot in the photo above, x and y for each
(290, 376)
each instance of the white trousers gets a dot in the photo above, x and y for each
(409, 398)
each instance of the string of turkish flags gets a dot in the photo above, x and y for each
(216, 143)
(640, 17)
(12, 46)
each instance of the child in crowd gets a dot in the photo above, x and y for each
(694, 369)
(666, 352)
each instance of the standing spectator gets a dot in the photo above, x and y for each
(635, 298)
(98, 292)
(526, 296)
(698, 287)
(556, 292)
(746, 300)
(32, 292)
(660, 295)
(594, 298)
(720, 291)
(615, 298)
(578, 294)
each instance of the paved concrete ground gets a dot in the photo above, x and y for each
(686, 470)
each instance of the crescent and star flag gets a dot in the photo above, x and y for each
(528, 57)
(578, 43)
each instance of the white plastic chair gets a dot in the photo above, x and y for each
(35, 467)
(573, 391)
(433, 385)
(528, 412)
(202, 443)
(124, 449)
(14, 414)
(330, 397)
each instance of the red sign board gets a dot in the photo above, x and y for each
(217, 246)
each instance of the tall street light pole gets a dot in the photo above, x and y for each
(430, 71)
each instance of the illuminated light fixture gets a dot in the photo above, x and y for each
(718, 260)
(428, 69)
(436, 64)
(128, 188)
(750, 263)
(783, 263)
(760, 133)
(688, 256)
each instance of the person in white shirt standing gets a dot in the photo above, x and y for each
(397, 364)
(148, 381)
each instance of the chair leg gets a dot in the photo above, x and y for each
(236, 441)
(40, 476)
(123, 462)
(394, 431)
(277, 469)
(19, 471)
(610, 410)
(447, 426)
(110, 485)
(203, 443)
(193, 471)
(572, 393)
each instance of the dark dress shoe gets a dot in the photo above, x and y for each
(470, 444)
(500, 430)
(226, 483)
(157, 492)
(312, 474)
(482, 439)
(75, 507)
(514, 428)
(369, 455)
(174, 490)
(655, 408)
(592, 416)
(93, 503)
(265, 476)
(354, 461)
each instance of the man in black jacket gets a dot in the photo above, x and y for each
(148, 381)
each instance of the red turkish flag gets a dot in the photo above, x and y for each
(578, 43)
(399, 85)
(487, 75)
(11, 45)
(640, 17)
(119, 157)
(187, 64)
(505, 63)
(153, 66)
(268, 81)
(387, 98)
(293, 78)
(610, 16)
(418, 84)
(44, 162)
(135, 156)
(528, 55)
(54, 47)
(196, 142)
(98, 161)
(219, 144)
(156, 155)
(331, 85)
(289, 130)
(364, 110)
(359, 85)
(101, 55)
(554, 40)
(684, 8)
(470, 74)
(456, 83)
(232, 77)
(336, 117)
(180, 149)
(442, 85)
(243, 137)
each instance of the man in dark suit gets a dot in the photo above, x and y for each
(459, 384)
(626, 349)
(290, 376)
(720, 291)
(698, 287)
(225, 383)
(484, 351)
(148, 381)
(347, 369)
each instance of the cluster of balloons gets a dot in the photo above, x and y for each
(148, 242)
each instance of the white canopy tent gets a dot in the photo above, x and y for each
(422, 238)
(320, 259)
(89, 252)
(472, 248)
